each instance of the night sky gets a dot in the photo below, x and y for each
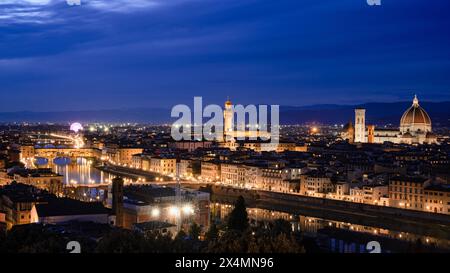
(108, 54)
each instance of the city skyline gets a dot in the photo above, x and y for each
(55, 57)
(207, 135)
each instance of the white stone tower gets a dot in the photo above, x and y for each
(228, 118)
(360, 125)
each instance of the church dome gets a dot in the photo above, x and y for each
(415, 119)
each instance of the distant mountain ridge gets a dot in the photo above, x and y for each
(377, 113)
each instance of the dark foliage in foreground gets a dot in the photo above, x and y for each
(235, 237)
(38, 239)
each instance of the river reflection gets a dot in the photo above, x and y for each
(335, 235)
(80, 171)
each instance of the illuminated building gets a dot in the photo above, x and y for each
(348, 132)
(376, 194)
(315, 183)
(230, 130)
(371, 134)
(26, 152)
(342, 191)
(228, 118)
(437, 198)
(360, 125)
(143, 204)
(417, 193)
(190, 146)
(2, 221)
(185, 168)
(163, 165)
(233, 174)
(63, 210)
(122, 155)
(415, 127)
(137, 161)
(407, 192)
(17, 200)
(415, 120)
(126, 155)
(44, 179)
(210, 171)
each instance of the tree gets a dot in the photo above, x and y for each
(34, 238)
(122, 241)
(281, 226)
(284, 243)
(213, 233)
(181, 235)
(194, 231)
(231, 241)
(238, 218)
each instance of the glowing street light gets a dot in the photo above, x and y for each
(188, 210)
(156, 212)
(174, 211)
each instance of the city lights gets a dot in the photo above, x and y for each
(188, 210)
(156, 212)
(174, 211)
(241, 130)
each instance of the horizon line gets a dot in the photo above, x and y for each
(168, 108)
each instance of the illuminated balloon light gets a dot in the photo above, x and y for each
(76, 127)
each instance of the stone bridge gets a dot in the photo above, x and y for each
(52, 153)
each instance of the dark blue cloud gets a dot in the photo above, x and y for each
(255, 51)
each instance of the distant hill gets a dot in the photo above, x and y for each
(140, 115)
(377, 113)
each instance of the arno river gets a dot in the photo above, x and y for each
(332, 235)
(338, 236)
(80, 171)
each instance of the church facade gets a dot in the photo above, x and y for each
(415, 128)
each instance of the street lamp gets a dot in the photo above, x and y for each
(156, 212)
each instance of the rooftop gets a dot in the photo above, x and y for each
(413, 179)
(18, 192)
(146, 193)
(441, 187)
(42, 172)
(67, 206)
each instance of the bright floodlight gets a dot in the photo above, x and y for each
(174, 211)
(156, 212)
(76, 127)
(187, 209)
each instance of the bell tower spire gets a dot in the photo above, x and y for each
(228, 117)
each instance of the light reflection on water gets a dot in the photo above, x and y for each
(82, 171)
(313, 226)
(79, 171)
